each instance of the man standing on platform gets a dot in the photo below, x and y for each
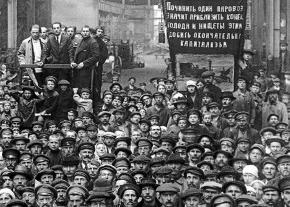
(103, 56)
(85, 58)
(57, 52)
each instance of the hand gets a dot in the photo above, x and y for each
(73, 65)
(81, 65)
(39, 64)
(75, 90)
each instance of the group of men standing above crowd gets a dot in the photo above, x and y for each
(132, 147)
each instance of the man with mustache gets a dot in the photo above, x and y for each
(208, 77)
(168, 194)
(270, 195)
(45, 195)
(210, 189)
(221, 159)
(104, 118)
(274, 106)
(129, 194)
(60, 186)
(148, 193)
(11, 158)
(6, 137)
(20, 178)
(86, 152)
(193, 177)
(283, 166)
(239, 162)
(227, 99)
(28, 196)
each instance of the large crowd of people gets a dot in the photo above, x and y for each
(64, 143)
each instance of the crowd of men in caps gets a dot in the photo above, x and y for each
(135, 147)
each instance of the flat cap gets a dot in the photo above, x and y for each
(77, 190)
(16, 202)
(44, 172)
(46, 190)
(60, 184)
(167, 187)
(148, 182)
(11, 153)
(211, 185)
(191, 192)
(128, 186)
(108, 167)
(221, 199)
(141, 159)
(247, 198)
(195, 146)
(194, 170)
(235, 183)
(86, 145)
(40, 158)
(83, 173)
(63, 82)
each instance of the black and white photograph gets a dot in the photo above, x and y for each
(144, 103)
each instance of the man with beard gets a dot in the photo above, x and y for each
(269, 169)
(11, 158)
(283, 166)
(148, 193)
(85, 58)
(146, 98)
(20, 178)
(129, 194)
(210, 189)
(54, 154)
(244, 100)
(168, 195)
(28, 196)
(160, 109)
(86, 153)
(6, 137)
(271, 195)
(194, 152)
(119, 121)
(103, 56)
(208, 77)
(67, 146)
(104, 118)
(60, 186)
(45, 196)
(193, 177)
(70, 164)
(274, 106)
(221, 159)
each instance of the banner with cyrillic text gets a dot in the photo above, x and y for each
(205, 26)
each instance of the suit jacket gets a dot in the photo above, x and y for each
(58, 53)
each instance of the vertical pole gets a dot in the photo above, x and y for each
(276, 46)
(271, 34)
(12, 23)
